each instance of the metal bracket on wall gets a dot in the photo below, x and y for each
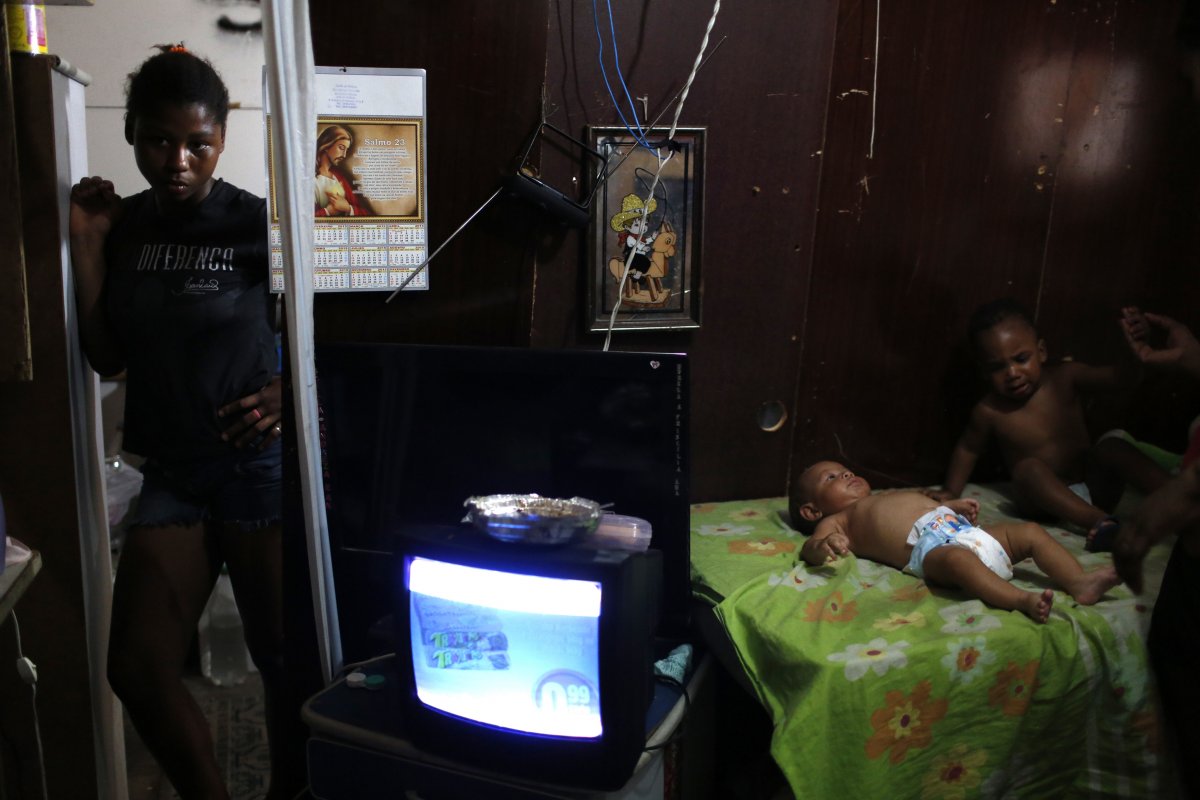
(525, 184)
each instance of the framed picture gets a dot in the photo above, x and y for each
(645, 250)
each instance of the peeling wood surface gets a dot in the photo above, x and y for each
(1028, 148)
(1044, 152)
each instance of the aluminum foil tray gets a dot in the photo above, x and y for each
(533, 519)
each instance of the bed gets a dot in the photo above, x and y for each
(874, 682)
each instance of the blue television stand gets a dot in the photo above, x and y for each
(358, 751)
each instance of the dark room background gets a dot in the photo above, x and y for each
(873, 172)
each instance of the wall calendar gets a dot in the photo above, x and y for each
(370, 226)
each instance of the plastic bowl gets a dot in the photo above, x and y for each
(533, 519)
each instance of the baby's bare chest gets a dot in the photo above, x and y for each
(1051, 426)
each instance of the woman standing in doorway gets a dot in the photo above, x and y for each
(172, 286)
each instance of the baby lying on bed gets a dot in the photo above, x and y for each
(938, 542)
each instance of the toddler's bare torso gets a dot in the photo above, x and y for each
(1049, 426)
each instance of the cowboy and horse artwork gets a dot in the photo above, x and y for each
(647, 254)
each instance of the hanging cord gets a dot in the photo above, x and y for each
(612, 319)
(28, 672)
(662, 162)
(680, 732)
(875, 81)
(665, 109)
(639, 135)
(605, 171)
(712, 20)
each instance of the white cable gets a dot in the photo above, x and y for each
(712, 20)
(612, 320)
(662, 162)
(875, 82)
(28, 672)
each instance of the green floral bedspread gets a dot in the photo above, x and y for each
(879, 687)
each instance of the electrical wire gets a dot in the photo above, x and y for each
(633, 251)
(666, 107)
(712, 20)
(37, 728)
(875, 80)
(637, 135)
(612, 30)
(662, 163)
(679, 733)
(605, 171)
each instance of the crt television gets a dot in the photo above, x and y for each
(533, 661)
(408, 432)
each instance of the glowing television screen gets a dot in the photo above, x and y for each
(532, 639)
(530, 661)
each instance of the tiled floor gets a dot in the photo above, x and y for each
(146, 779)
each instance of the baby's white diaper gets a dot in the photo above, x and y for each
(943, 527)
(1081, 491)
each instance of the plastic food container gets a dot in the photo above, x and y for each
(620, 532)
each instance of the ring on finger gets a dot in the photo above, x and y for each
(278, 428)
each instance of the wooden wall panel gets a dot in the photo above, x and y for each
(485, 64)
(762, 98)
(853, 216)
(485, 67)
(980, 186)
(1124, 221)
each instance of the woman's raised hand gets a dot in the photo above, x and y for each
(95, 206)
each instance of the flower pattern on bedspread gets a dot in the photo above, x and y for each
(799, 579)
(761, 547)
(955, 775)
(725, 530)
(969, 617)
(905, 721)
(876, 655)
(897, 620)
(967, 658)
(876, 681)
(831, 608)
(1014, 688)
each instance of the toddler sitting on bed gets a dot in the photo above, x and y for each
(1034, 410)
(910, 531)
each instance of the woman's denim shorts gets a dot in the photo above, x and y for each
(243, 487)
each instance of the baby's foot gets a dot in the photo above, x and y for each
(1037, 606)
(1089, 587)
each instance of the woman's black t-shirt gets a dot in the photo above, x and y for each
(188, 297)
